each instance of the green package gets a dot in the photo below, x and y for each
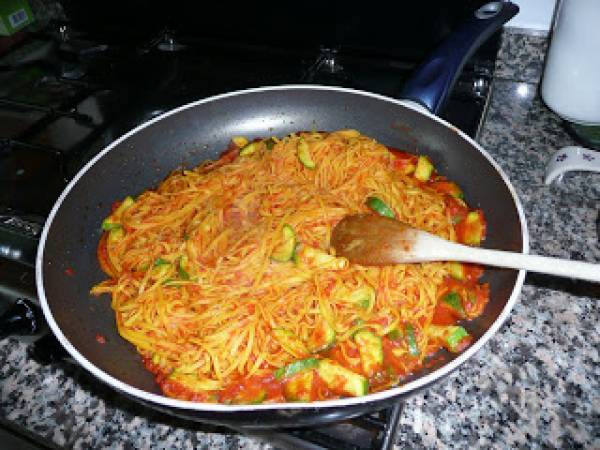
(14, 16)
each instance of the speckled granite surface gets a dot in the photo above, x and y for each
(521, 57)
(534, 385)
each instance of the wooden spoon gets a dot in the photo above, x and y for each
(373, 240)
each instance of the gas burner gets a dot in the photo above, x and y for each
(327, 69)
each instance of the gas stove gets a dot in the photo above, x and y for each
(65, 94)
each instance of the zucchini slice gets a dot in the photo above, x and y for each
(183, 268)
(474, 228)
(285, 251)
(296, 367)
(299, 388)
(322, 337)
(424, 168)
(363, 297)
(304, 154)
(341, 380)
(453, 300)
(394, 334)
(249, 149)
(114, 220)
(161, 268)
(370, 349)
(107, 225)
(380, 207)
(457, 270)
(270, 143)
(450, 336)
(449, 188)
(413, 348)
(290, 342)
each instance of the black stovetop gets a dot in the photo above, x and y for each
(68, 97)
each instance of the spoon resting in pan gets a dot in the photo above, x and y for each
(373, 240)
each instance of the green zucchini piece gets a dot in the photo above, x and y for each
(341, 380)
(285, 251)
(380, 207)
(107, 225)
(370, 349)
(456, 335)
(295, 367)
(457, 270)
(114, 220)
(116, 234)
(161, 268)
(363, 297)
(290, 342)
(304, 154)
(248, 149)
(453, 300)
(322, 337)
(424, 168)
(181, 268)
(475, 228)
(413, 349)
(255, 398)
(270, 143)
(450, 335)
(394, 334)
(299, 387)
(456, 192)
(295, 258)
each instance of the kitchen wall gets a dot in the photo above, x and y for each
(535, 15)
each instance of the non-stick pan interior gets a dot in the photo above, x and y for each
(192, 134)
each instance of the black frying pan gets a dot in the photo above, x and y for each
(199, 131)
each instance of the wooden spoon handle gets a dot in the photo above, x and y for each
(440, 249)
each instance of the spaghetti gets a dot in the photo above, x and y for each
(224, 280)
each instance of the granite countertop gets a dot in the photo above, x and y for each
(534, 384)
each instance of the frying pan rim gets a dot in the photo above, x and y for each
(212, 407)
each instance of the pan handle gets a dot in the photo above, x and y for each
(23, 317)
(19, 236)
(432, 81)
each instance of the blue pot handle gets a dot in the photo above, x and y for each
(431, 82)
